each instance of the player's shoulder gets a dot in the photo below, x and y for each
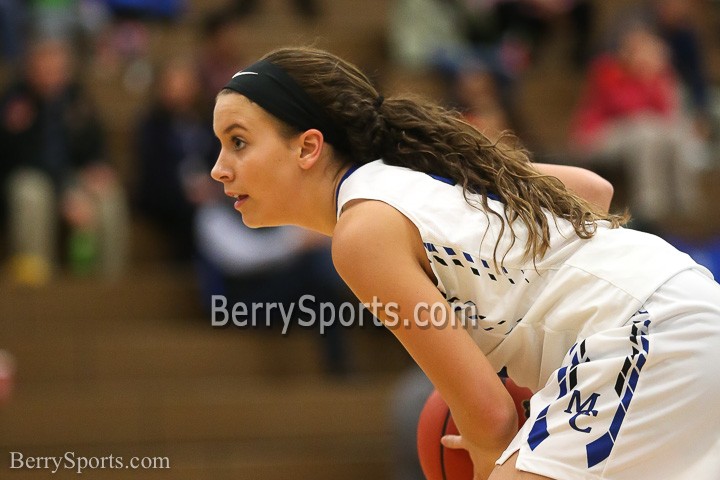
(363, 220)
(367, 227)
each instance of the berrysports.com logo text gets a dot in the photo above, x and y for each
(79, 464)
(308, 312)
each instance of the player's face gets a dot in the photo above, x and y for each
(255, 164)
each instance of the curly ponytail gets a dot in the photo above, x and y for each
(425, 137)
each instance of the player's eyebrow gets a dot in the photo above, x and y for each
(233, 126)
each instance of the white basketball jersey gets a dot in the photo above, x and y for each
(524, 315)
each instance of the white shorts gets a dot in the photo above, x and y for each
(638, 401)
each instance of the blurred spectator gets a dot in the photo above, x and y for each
(507, 31)
(55, 19)
(443, 36)
(477, 96)
(221, 52)
(530, 22)
(421, 31)
(280, 266)
(13, 24)
(176, 148)
(56, 174)
(630, 115)
(501, 36)
(675, 20)
(122, 42)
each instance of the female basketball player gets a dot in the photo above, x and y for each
(485, 261)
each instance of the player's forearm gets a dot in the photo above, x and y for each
(481, 406)
(584, 183)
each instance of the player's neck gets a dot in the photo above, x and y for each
(317, 205)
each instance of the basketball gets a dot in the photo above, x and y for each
(440, 463)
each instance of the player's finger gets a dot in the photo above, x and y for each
(452, 441)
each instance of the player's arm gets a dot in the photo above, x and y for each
(379, 254)
(586, 184)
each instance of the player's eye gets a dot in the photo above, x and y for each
(237, 143)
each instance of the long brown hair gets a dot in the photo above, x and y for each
(423, 136)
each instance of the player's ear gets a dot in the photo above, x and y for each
(310, 144)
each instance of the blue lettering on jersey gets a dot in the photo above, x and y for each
(581, 408)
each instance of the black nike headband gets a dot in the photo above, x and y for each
(274, 89)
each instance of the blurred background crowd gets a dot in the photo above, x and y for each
(106, 135)
(105, 116)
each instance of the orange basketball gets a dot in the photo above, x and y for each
(440, 463)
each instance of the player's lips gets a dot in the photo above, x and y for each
(239, 198)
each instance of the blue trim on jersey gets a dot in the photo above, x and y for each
(452, 182)
(345, 176)
(493, 196)
(539, 431)
(443, 179)
(599, 450)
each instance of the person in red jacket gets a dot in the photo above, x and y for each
(630, 115)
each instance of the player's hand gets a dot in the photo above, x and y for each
(483, 460)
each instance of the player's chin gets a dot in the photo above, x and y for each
(252, 219)
(262, 214)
